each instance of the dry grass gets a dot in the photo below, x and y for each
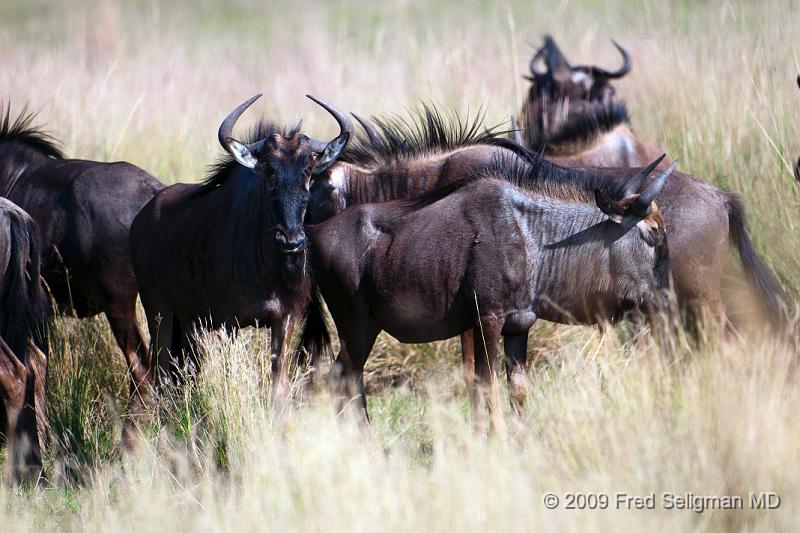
(149, 81)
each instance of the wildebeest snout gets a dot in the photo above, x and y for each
(290, 240)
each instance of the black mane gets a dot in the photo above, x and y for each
(221, 170)
(424, 131)
(583, 122)
(21, 130)
(531, 172)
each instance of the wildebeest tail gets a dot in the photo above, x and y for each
(314, 337)
(760, 276)
(25, 309)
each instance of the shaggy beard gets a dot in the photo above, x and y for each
(294, 267)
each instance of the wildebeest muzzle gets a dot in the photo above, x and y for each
(290, 241)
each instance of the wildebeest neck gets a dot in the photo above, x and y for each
(588, 264)
(22, 147)
(398, 179)
(15, 160)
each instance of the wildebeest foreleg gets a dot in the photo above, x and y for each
(357, 340)
(161, 333)
(487, 392)
(468, 357)
(516, 349)
(281, 332)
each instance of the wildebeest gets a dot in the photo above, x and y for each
(231, 252)
(485, 254)
(84, 210)
(24, 314)
(403, 159)
(572, 117)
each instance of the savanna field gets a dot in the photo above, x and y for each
(148, 82)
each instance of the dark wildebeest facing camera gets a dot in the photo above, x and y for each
(232, 252)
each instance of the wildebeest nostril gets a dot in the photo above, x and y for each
(289, 243)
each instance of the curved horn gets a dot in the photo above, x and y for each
(372, 132)
(627, 63)
(330, 151)
(241, 153)
(641, 205)
(345, 124)
(225, 132)
(633, 184)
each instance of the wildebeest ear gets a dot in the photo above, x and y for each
(242, 154)
(612, 208)
(649, 191)
(331, 152)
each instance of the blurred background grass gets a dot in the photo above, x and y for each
(149, 81)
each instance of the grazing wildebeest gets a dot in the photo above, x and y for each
(572, 117)
(24, 313)
(485, 254)
(232, 252)
(84, 210)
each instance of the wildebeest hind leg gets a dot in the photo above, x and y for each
(17, 382)
(37, 366)
(129, 337)
(468, 357)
